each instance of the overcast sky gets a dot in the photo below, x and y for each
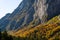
(7, 6)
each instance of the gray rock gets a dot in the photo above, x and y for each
(31, 12)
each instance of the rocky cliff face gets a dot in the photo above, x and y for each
(40, 10)
(31, 12)
(53, 8)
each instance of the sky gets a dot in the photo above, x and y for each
(8, 6)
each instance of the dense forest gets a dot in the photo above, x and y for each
(4, 36)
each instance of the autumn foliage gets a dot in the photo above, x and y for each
(47, 31)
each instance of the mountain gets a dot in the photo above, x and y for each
(4, 21)
(30, 13)
(47, 31)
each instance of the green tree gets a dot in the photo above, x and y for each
(0, 35)
(5, 35)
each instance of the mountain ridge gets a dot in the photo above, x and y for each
(31, 12)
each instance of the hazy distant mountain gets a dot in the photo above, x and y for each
(30, 12)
